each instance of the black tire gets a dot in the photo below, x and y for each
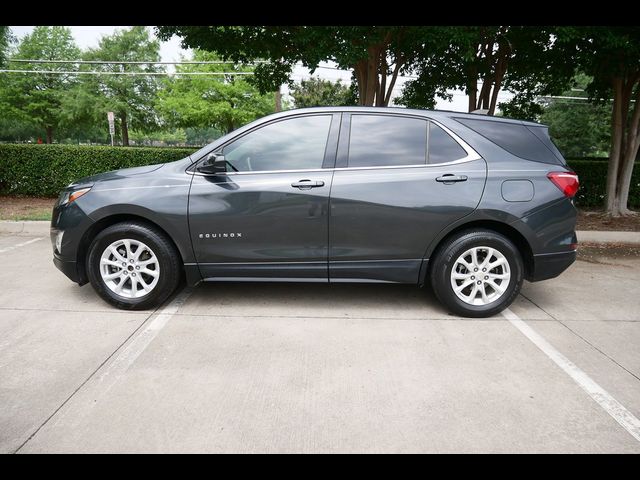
(444, 261)
(168, 258)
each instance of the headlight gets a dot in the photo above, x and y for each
(71, 196)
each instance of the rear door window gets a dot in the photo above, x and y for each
(386, 140)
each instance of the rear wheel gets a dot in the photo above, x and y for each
(133, 266)
(477, 273)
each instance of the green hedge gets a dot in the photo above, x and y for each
(593, 178)
(43, 170)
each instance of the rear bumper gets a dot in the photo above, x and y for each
(550, 265)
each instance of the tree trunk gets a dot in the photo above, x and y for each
(382, 83)
(400, 60)
(625, 142)
(278, 100)
(472, 87)
(372, 83)
(630, 154)
(125, 129)
(617, 128)
(49, 130)
(361, 79)
(501, 68)
(483, 98)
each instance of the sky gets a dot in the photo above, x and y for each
(89, 36)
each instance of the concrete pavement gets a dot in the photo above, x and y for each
(311, 368)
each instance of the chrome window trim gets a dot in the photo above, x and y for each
(385, 167)
(471, 153)
(471, 156)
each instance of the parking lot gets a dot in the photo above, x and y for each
(317, 368)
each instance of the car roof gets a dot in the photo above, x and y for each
(413, 111)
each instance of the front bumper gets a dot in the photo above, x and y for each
(67, 249)
(550, 265)
(68, 267)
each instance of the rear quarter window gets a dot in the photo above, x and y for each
(530, 143)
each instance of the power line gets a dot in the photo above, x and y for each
(186, 62)
(80, 72)
(550, 97)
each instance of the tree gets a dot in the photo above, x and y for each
(37, 97)
(579, 128)
(611, 56)
(376, 54)
(224, 102)
(5, 41)
(131, 96)
(519, 59)
(316, 92)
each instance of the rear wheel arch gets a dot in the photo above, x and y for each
(492, 225)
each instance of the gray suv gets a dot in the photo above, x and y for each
(470, 204)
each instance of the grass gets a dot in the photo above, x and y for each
(33, 215)
(17, 208)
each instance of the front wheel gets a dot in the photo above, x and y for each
(133, 266)
(477, 273)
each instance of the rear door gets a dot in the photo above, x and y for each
(399, 180)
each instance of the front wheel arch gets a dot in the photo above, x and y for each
(105, 222)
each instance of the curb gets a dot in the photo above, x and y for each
(596, 236)
(41, 227)
(33, 228)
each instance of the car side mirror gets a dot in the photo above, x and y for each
(214, 164)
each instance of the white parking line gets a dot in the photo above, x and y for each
(121, 363)
(609, 404)
(13, 247)
(88, 393)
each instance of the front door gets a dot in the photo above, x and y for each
(399, 180)
(267, 217)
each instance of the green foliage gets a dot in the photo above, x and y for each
(518, 59)
(18, 130)
(166, 137)
(521, 107)
(43, 170)
(579, 128)
(38, 98)
(130, 97)
(202, 136)
(593, 177)
(610, 56)
(5, 40)
(224, 102)
(365, 49)
(603, 53)
(316, 92)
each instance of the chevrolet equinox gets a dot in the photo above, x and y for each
(470, 204)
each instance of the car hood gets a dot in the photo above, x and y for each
(115, 175)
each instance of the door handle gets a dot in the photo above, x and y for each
(307, 184)
(450, 178)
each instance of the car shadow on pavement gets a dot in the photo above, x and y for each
(314, 300)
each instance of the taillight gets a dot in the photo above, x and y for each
(567, 182)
